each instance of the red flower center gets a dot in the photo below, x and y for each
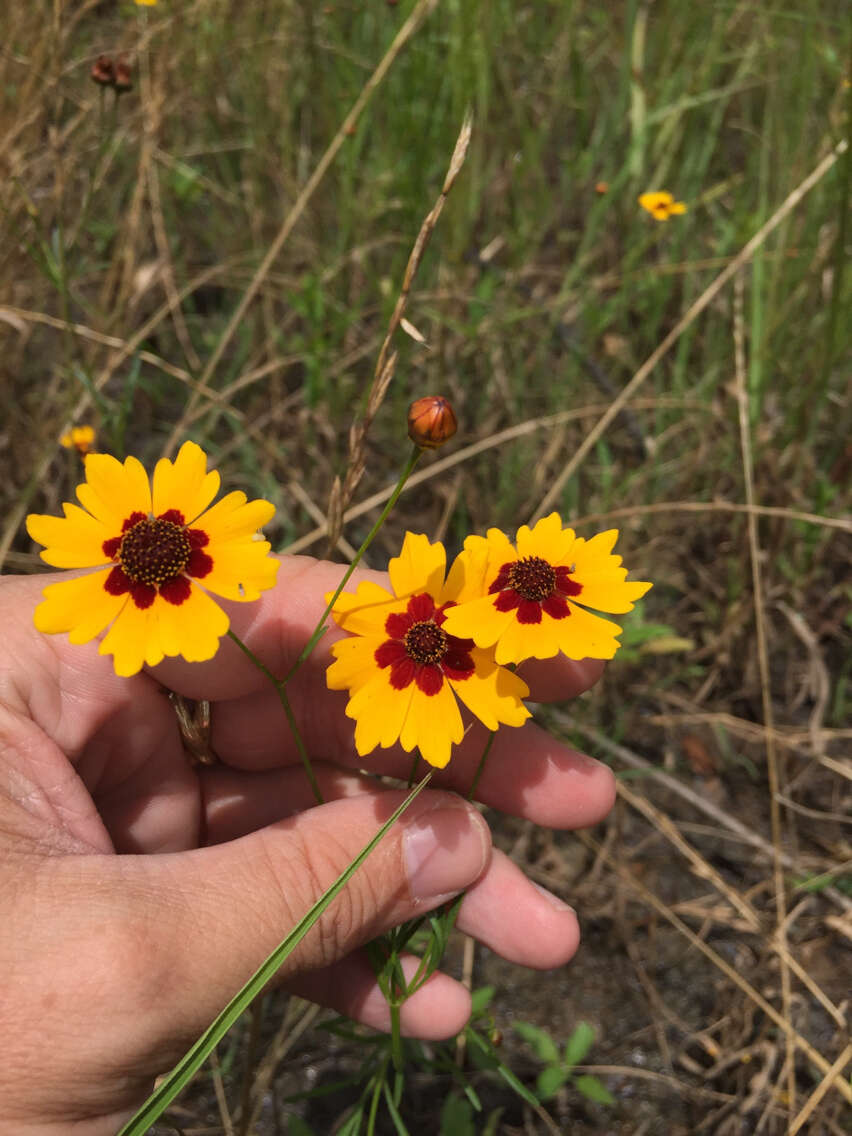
(426, 643)
(152, 552)
(419, 650)
(531, 586)
(533, 578)
(156, 555)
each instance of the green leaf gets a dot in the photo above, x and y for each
(478, 1044)
(550, 1080)
(480, 999)
(491, 1123)
(578, 1045)
(394, 1113)
(195, 1057)
(457, 1117)
(540, 1040)
(593, 1089)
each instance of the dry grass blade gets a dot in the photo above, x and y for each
(721, 816)
(781, 1021)
(820, 1091)
(700, 866)
(421, 10)
(385, 365)
(774, 767)
(706, 297)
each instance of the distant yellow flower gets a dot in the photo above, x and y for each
(404, 671)
(146, 3)
(157, 544)
(530, 593)
(79, 438)
(661, 205)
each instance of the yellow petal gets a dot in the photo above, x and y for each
(500, 551)
(133, 640)
(419, 567)
(234, 517)
(602, 576)
(531, 541)
(433, 725)
(113, 490)
(494, 694)
(521, 641)
(478, 620)
(241, 570)
(379, 712)
(365, 612)
(548, 540)
(468, 578)
(79, 606)
(184, 483)
(609, 593)
(73, 541)
(192, 629)
(354, 664)
(584, 635)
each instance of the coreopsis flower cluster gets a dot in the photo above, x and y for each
(437, 638)
(434, 640)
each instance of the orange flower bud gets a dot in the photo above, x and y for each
(103, 72)
(123, 80)
(431, 422)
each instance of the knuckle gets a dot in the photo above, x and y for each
(312, 866)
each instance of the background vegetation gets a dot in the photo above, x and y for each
(171, 267)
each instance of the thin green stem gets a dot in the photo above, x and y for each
(481, 765)
(322, 626)
(413, 769)
(397, 1055)
(288, 710)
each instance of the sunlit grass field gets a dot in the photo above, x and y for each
(216, 254)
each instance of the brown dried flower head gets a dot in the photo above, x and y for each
(123, 78)
(431, 421)
(103, 72)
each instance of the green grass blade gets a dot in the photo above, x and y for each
(195, 1057)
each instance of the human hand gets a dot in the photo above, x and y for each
(113, 964)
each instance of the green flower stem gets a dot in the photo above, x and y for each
(288, 710)
(192, 1061)
(392, 500)
(413, 769)
(481, 765)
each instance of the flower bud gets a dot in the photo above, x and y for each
(103, 72)
(431, 422)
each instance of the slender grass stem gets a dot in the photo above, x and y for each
(368, 540)
(479, 769)
(288, 710)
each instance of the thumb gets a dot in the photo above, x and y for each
(204, 920)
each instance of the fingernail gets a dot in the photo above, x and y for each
(444, 851)
(554, 900)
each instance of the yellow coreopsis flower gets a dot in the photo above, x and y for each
(533, 595)
(164, 548)
(405, 672)
(146, 3)
(661, 204)
(79, 438)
